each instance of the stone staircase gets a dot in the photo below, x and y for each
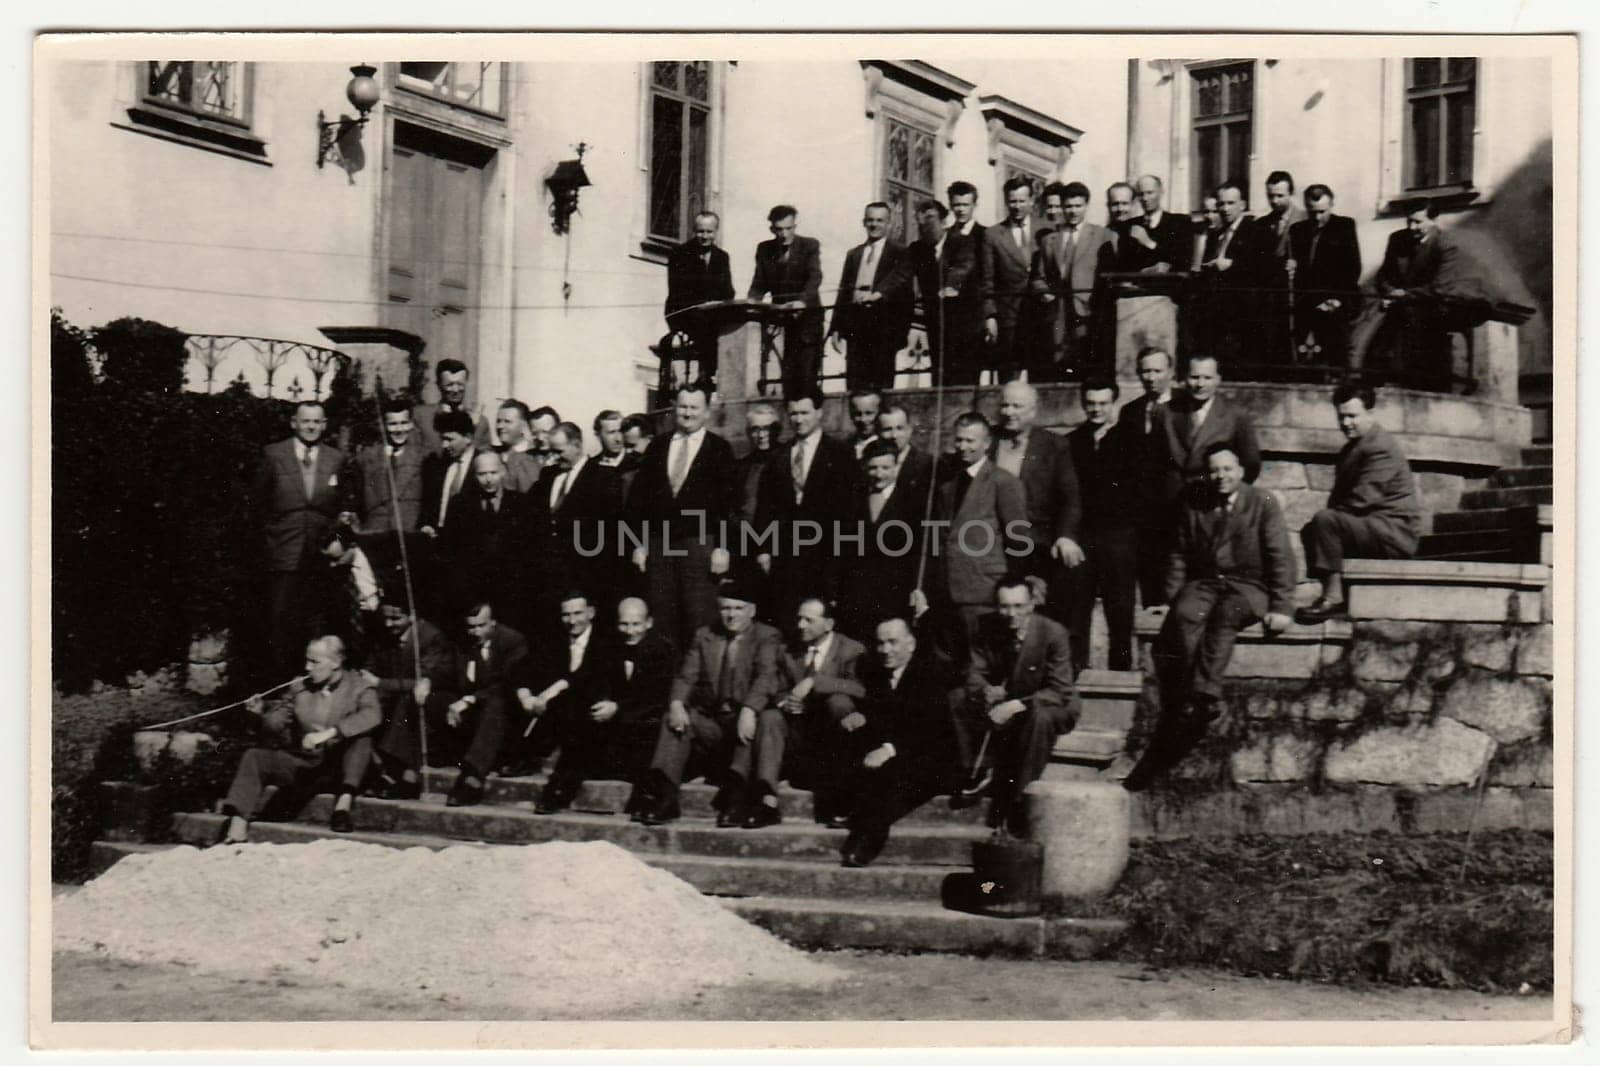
(1503, 522)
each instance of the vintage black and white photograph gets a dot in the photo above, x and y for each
(737, 528)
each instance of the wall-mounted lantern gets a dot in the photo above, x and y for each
(564, 184)
(362, 92)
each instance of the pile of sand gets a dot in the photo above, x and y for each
(563, 927)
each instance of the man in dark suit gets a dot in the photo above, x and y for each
(386, 473)
(810, 722)
(1239, 263)
(698, 273)
(1372, 512)
(1158, 241)
(1039, 459)
(915, 472)
(1155, 487)
(1065, 274)
(864, 406)
(1232, 566)
(451, 376)
(489, 670)
(788, 271)
(908, 751)
(804, 496)
(297, 498)
(1009, 309)
(684, 494)
(1020, 692)
(446, 472)
(573, 514)
(1282, 215)
(878, 572)
(487, 544)
(411, 643)
(1108, 532)
(950, 285)
(872, 314)
(761, 429)
(641, 675)
(1199, 418)
(1324, 272)
(728, 677)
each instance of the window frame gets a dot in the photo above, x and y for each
(1222, 121)
(245, 92)
(415, 85)
(687, 104)
(889, 118)
(1442, 91)
(181, 123)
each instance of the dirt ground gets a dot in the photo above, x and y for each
(880, 987)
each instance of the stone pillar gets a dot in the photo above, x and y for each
(1498, 368)
(1084, 828)
(738, 360)
(1141, 321)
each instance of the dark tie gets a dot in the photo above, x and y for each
(725, 676)
(963, 483)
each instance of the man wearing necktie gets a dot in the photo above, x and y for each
(1239, 262)
(486, 542)
(877, 574)
(788, 272)
(1008, 251)
(1102, 458)
(491, 666)
(640, 676)
(1324, 268)
(872, 313)
(949, 275)
(1064, 274)
(296, 498)
(573, 510)
(1282, 215)
(698, 274)
(372, 491)
(1231, 567)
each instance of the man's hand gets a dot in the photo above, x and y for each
(532, 704)
(852, 721)
(603, 710)
(677, 716)
(868, 297)
(1142, 235)
(1001, 713)
(1066, 549)
(719, 561)
(793, 305)
(764, 560)
(255, 705)
(877, 757)
(1158, 610)
(429, 532)
(993, 694)
(948, 293)
(639, 557)
(422, 690)
(453, 713)
(1329, 306)
(1275, 622)
(803, 688)
(919, 602)
(747, 725)
(313, 741)
(991, 330)
(1222, 262)
(1047, 297)
(1157, 268)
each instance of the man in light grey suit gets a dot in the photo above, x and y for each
(1064, 273)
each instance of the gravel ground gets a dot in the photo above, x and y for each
(557, 929)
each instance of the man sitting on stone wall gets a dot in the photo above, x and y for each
(1372, 512)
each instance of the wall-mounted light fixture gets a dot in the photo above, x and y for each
(564, 184)
(362, 92)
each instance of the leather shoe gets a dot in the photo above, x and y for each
(763, 815)
(397, 790)
(463, 794)
(549, 804)
(659, 813)
(341, 822)
(1320, 611)
(729, 818)
(836, 821)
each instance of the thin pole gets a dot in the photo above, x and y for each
(405, 566)
(938, 422)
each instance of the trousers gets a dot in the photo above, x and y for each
(301, 773)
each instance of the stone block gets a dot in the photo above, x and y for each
(1267, 658)
(1084, 829)
(1530, 765)
(1445, 591)
(1275, 758)
(1262, 705)
(1376, 659)
(1414, 699)
(1299, 507)
(205, 678)
(1320, 476)
(1441, 752)
(1535, 652)
(1508, 710)
(209, 647)
(1323, 705)
(1438, 493)
(1487, 647)
(128, 811)
(1278, 474)
(150, 743)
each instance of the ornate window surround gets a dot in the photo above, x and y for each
(1028, 139)
(916, 94)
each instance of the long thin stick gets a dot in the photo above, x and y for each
(938, 423)
(405, 563)
(219, 710)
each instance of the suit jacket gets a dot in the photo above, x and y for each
(1249, 549)
(837, 674)
(892, 278)
(711, 487)
(1333, 269)
(1280, 236)
(1173, 237)
(488, 548)
(1372, 479)
(1073, 274)
(498, 675)
(692, 281)
(1105, 480)
(1154, 482)
(423, 415)
(957, 267)
(642, 696)
(1050, 487)
(522, 469)
(1437, 267)
(395, 662)
(1006, 269)
(1041, 668)
(434, 468)
(876, 579)
(916, 472)
(995, 499)
(368, 488)
(350, 706)
(1186, 450)
(291, 523)
(588, 684)
(826, 497)
(593, 501)
(797, 278)
(1251, 254)
(752, 682)
(748, 469)
(912, 716)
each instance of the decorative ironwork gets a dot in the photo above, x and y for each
(261, 362)
(908, 174)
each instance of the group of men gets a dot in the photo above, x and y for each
(1033, 293)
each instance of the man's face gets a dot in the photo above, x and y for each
(481, 625)
(705, 231)
(1203, 378)
(1419, 223)
(568, 449)
(895, 427)
(1053, 210)
(803, 418)
(864, 415)
(1119, 203)
(1355, 421)
(1015, 605)
(880, 472)
(1212, 213)
(1074, 210)
(1098, 405)
(895, 644)
(539, 429)
(397, 427)
(396, 620)
(455, 444)
(963, 205)
(736, 615)
(762, 430)
(972, 444)
(635, 440)
(333, 551)
(930, 226)
(691, 410)
(321, 662)
(308, 423)
(1279, 197)
(1155, 373)
(633, 621)
(610, 434)
(1224, 473)
(1018, 408)
(810, 622)
(1019, 204)
(875, 220)
(576, 616)
(453, 387)
(1231, 203)
(783, 229)
(488, 472)
(1319, 209)
(512, 427)
(1149, 193)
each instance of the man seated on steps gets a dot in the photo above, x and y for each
(728, 677)
(490, 669)
(322, 727)
(1372, 511)
(641, 676)
(1232, 566)
(393, 673)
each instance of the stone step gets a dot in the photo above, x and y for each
(1524, 496)
(1482, 545)
(611, 797)
(1503, 518)
(1514, 476)
(1440, 590)
(1543, 455)
(1296, 653)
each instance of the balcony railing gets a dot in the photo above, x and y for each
(270, 369)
